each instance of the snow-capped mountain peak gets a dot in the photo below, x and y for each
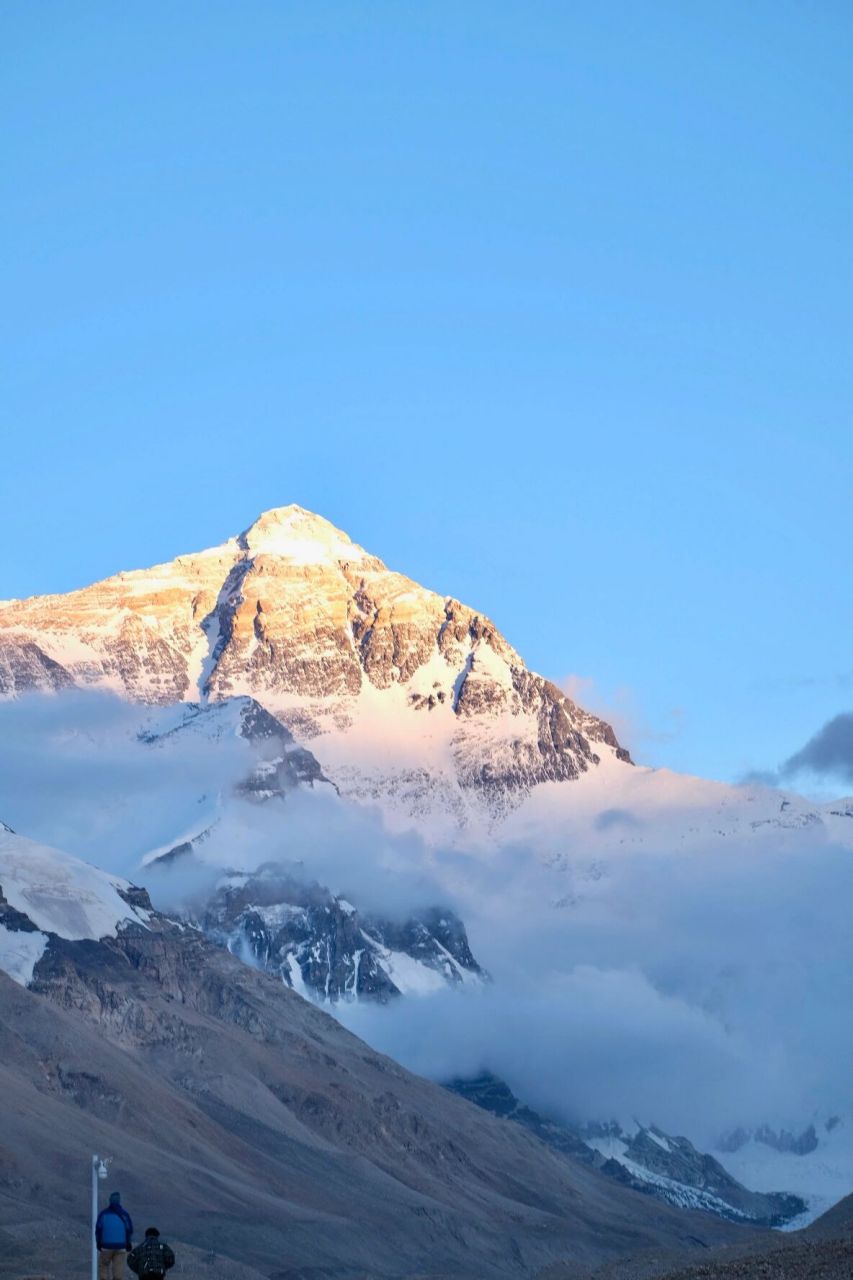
(406, 697)
(300, 537)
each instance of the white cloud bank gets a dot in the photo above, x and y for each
(700, 990)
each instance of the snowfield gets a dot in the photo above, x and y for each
(61, 894)
(822, 1177)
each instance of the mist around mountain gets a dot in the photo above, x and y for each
(661, 950)
(642, 1157)
(288, 1144)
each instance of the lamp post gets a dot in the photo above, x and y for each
(100, 1169)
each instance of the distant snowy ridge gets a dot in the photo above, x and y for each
(816, 1164)
(642, 1157)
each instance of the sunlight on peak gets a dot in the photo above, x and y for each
(300, 536)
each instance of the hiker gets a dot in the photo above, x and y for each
(113, 1236)
(151, 1259)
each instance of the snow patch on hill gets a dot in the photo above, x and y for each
(20, 952)
(61, 894)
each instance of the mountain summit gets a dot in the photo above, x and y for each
(299, 536)
(406, 697)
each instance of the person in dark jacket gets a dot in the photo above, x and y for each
(151, 1259)
(113, 1236)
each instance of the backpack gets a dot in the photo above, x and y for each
(152, 1261)
(115, 1227)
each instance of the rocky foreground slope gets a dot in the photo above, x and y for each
(823, 1251)
(251, 1125)
(803, 1260)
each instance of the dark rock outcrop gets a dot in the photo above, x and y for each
(326, 948)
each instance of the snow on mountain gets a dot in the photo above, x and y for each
(404, 696)
(20, 952)
(616, 810)
(816, 1164)
(672, 1169)
(274, 766)
(400, 697)
(642, 1157)
(233, 793)
(333, 674)
(44, 891)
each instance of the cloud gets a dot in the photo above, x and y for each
(829, 754)
(699, 990)
(75, 774)
(591, 1042)
(826, 758)
(609, 818)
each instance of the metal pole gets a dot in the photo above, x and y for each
(95, 1163)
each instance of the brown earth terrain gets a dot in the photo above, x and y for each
(247, 1124)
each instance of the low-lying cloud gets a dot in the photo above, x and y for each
(700, 990)
(77, 773)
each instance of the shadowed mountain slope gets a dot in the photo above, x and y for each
(248, 1123)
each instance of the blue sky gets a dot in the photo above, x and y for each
(548, 305)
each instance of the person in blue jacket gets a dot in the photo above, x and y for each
(113, 1236)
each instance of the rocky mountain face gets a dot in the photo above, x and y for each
(324, 948)
(401, 694)
(647, 1159)
(404, 698)
(253, 1127)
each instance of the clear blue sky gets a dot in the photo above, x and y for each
(547, 304)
